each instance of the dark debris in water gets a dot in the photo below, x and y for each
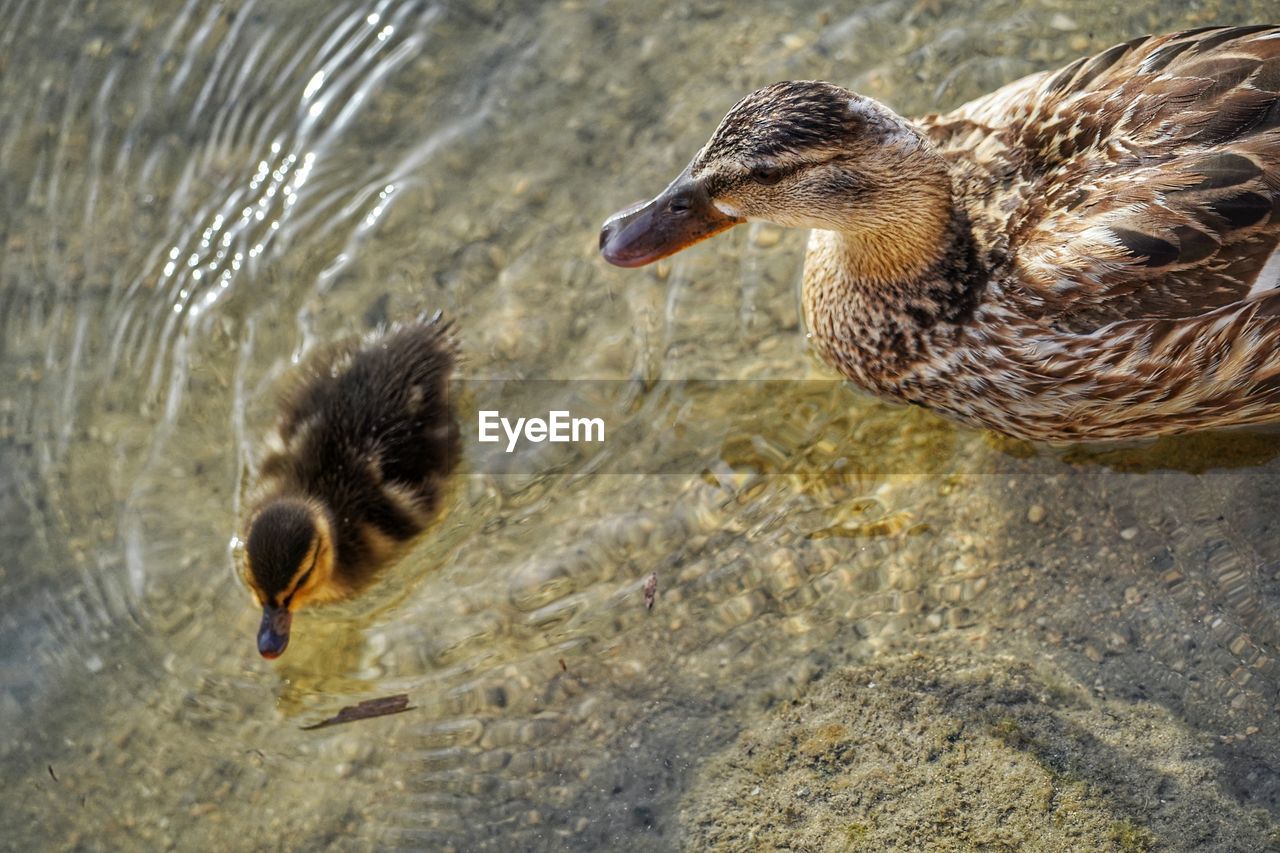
(365, 710)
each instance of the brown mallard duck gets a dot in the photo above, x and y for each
(353, 470)
(1085, 254)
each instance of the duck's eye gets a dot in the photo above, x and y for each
(678, 205)
(767, 175)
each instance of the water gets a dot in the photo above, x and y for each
(194, 194)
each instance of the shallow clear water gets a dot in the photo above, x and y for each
(193, 194)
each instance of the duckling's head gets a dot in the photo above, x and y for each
(800, 154)
(289, 559)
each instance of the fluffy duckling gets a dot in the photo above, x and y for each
(353, 469)
(1089, 253)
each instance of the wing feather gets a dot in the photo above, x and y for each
(1143, 182)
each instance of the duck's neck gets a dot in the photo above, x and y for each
(879, 304)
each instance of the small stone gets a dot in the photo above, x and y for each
(1129, 534)
(1062, 22)
(1093, 654)
(1132, 595)
(791, 41)
(1036, 514)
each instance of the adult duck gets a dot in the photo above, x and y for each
(1085, 254)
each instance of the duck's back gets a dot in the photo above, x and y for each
(369, 419)
(1142, 183)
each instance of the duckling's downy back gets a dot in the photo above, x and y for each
(364, 442)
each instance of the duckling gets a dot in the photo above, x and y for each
(353, 470)
(1085, 254)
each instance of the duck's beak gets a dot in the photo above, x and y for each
(273, 633)
(683, 215)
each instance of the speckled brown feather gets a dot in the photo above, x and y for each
(1127, 205)
(1103, 270)
(1137, 183)
(1085, 254)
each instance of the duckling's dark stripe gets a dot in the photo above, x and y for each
(302, 579)
(384, 514)
(279, 539)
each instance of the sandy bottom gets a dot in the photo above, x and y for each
(951, 750)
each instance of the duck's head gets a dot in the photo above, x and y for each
(288, 560)
(800, 154)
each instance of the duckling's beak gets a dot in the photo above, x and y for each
(643, 233)
(273, 633)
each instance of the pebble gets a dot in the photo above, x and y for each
(1036, 514)
(1062, 22)
(1079, 43)
(1129, 534)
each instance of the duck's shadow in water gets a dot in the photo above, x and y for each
(1184, 569)
(1194, 453)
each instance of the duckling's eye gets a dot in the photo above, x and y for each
(678, 205)
(767, 175)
